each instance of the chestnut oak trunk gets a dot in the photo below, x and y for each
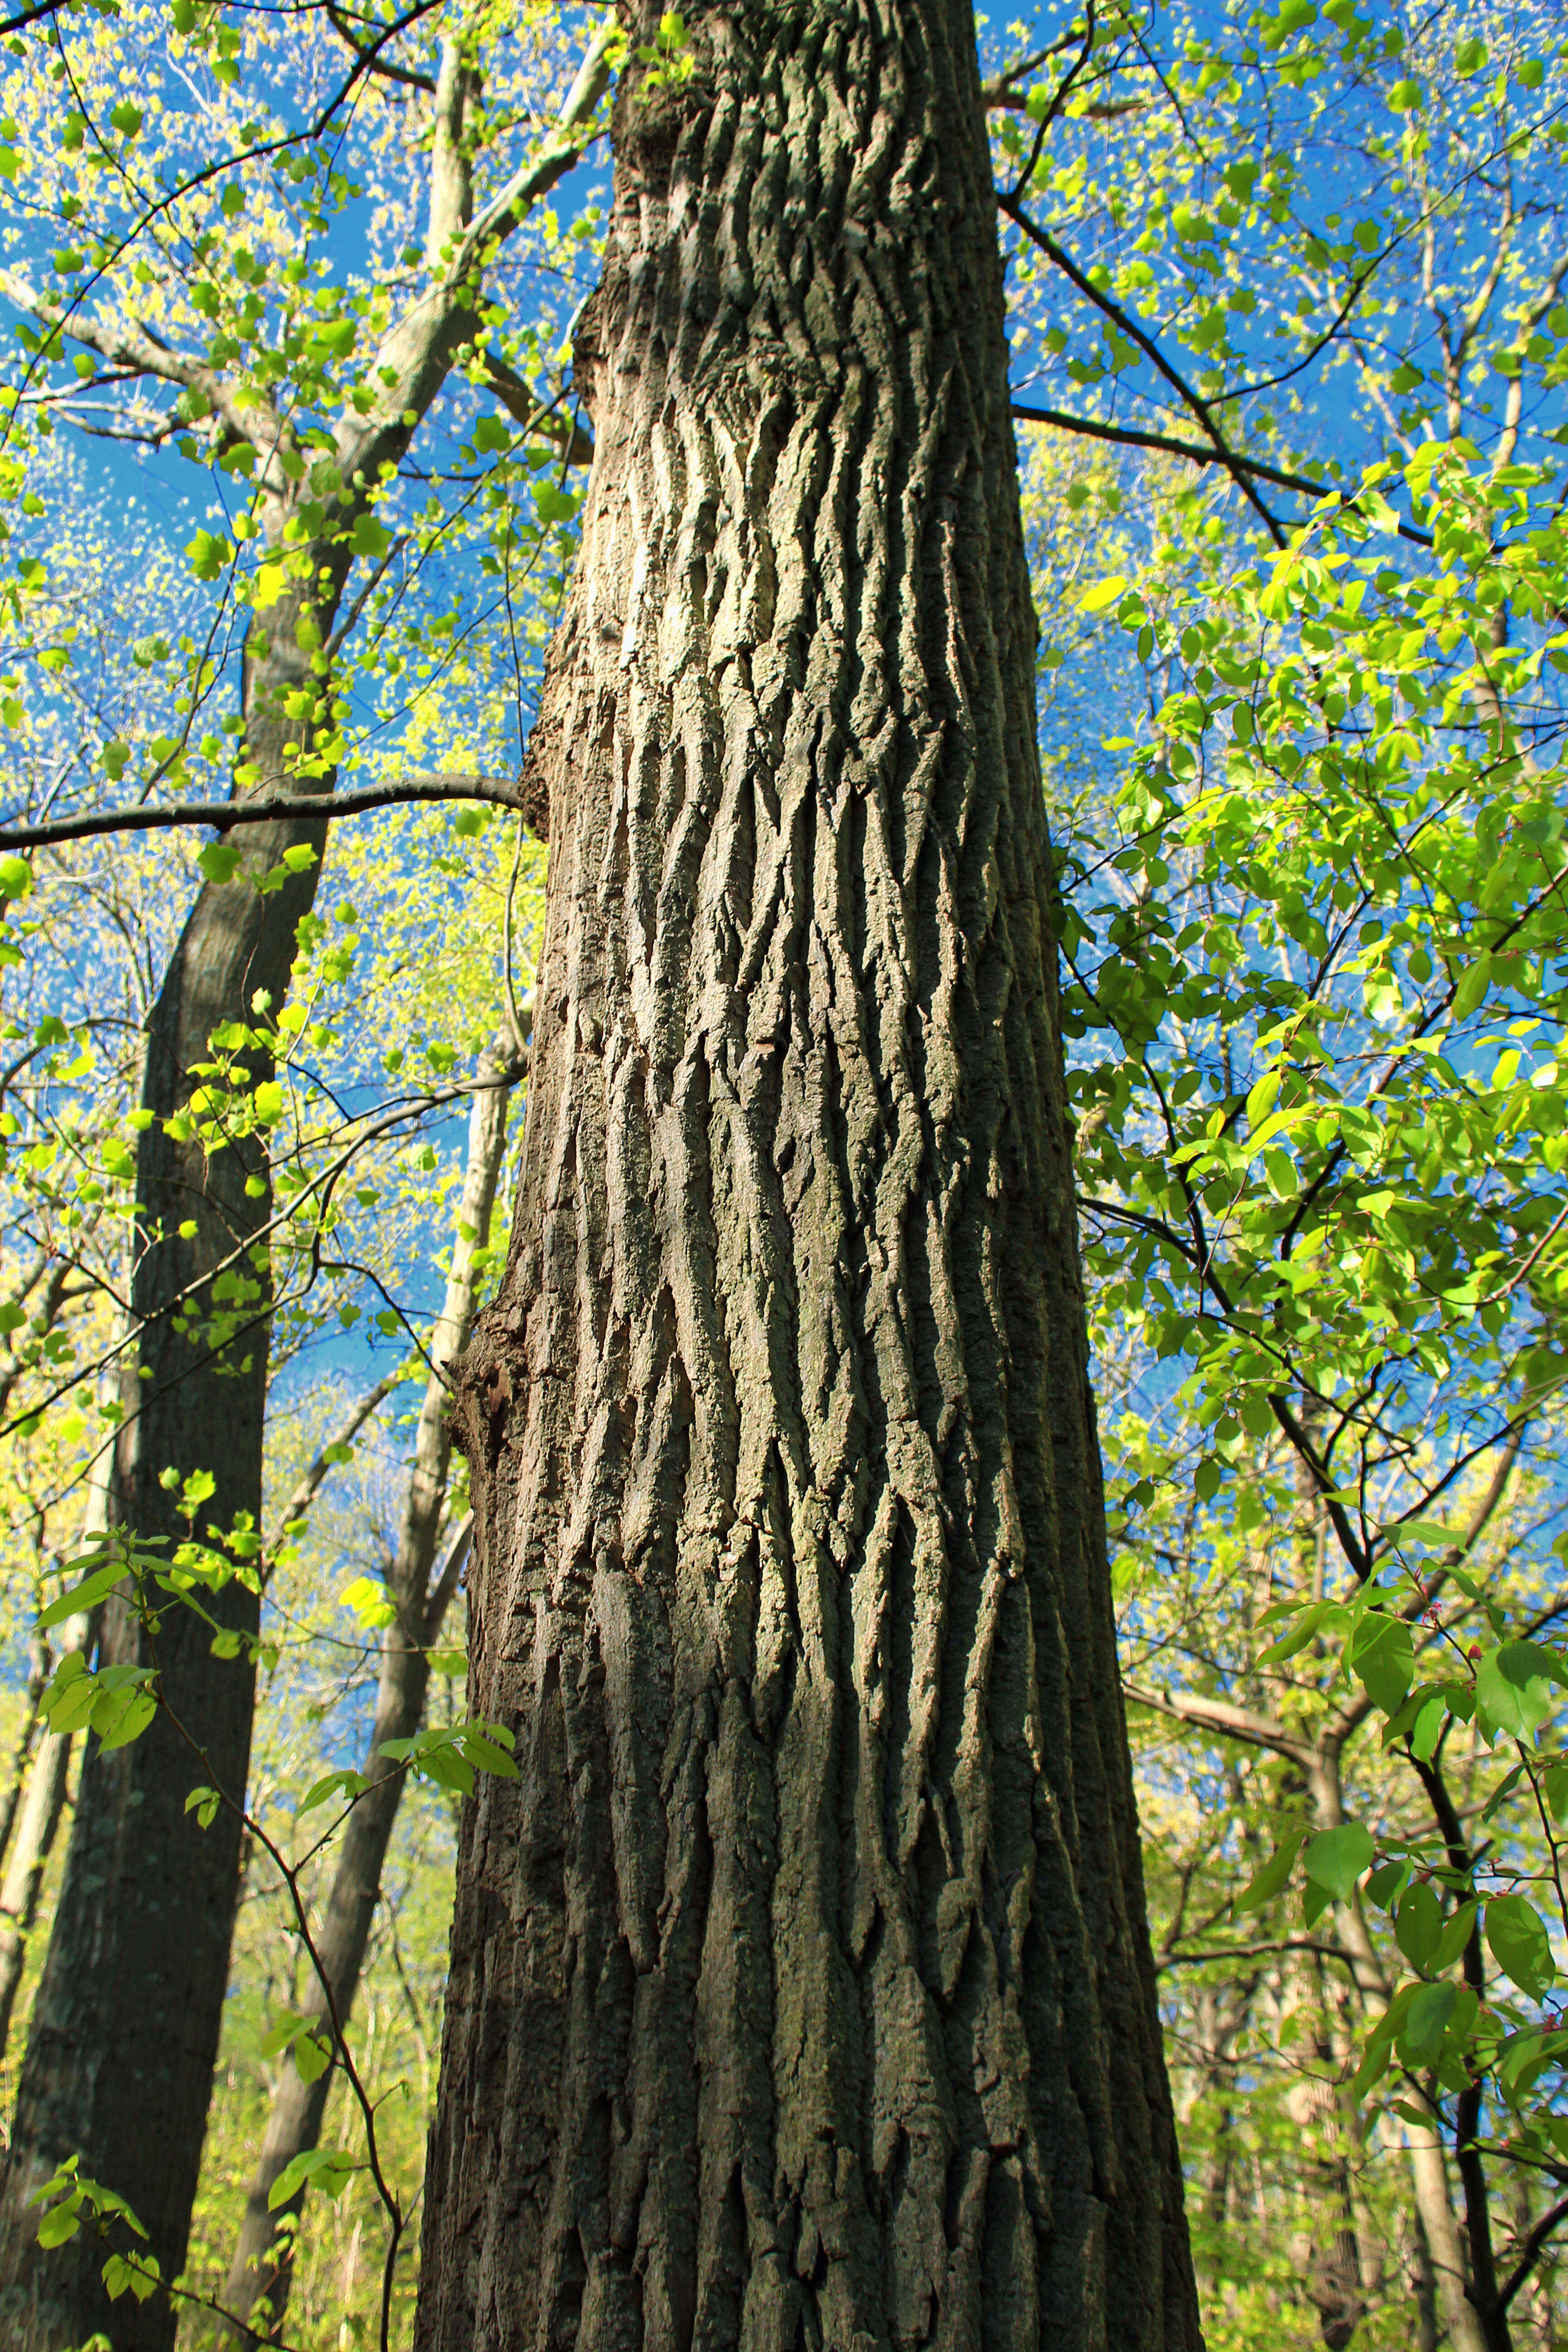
(801, 1991)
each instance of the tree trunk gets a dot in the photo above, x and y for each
(801, 1989)
(125, 2025)
(294, 2123)
(1424, 2143)
(47, 1786)
(39, 1663)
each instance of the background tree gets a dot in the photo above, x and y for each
(140, 1939)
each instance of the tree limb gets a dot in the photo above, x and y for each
(1130, 437)
(311, 1484)
(1145, 342)
(130, 347)
(1219, 1715)
(157, 817)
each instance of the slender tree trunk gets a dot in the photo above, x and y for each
(261, 2266)
(125, 2025)
(29, 1858)
(1329, 2251)
(16, 1777)
(1424, 2144)
(800, 1988)
(1418, 2262)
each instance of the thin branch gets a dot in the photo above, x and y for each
(30, 16)
(225, 814)
(1145, 342)
(1533, 2247)
(1130, 437)
(1221, 1715)
(311, 1484)
(1252, 1952)
(379, 66)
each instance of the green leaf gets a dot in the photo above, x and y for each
(1426, 2021)
(61, 2222)
(1273, 1875)
(370, 537)
(70, 1696)
(1514, 1685)
(1336, 1858)
(1418, 1925)
(313, 2056)
(1387, 1882)
(209, 554)
(16, 877)
(1303, 1630)
(218, 860)
(485, 1753)
(1520, 1944)
(1454, 1938)
(344, 1784)
(85, 1595)
(1428, 1730)
(1469, 57)
(1106, 591)
(120, 1717)
(1382, 1656)
(327, 2169)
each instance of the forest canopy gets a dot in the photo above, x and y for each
(295, 438)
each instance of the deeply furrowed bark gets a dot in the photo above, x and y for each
(801, 1992)
(261, 2267)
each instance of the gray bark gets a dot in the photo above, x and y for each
(261, 2267)
(801, 1991)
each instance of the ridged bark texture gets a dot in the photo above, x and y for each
(801, 1992)
(125, 2026)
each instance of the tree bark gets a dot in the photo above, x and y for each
(294, 2123)
(801, 1989)
(47, 1785)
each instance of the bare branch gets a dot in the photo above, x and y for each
(1131, 437)
(1148, 346)
(1220, 1716)
(127, 346)
(155, 817)
(315, 1477)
